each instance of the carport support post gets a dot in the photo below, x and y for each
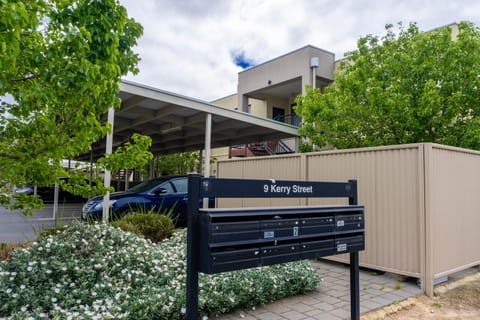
(55, 202)
(354, 264)
(208, 151)
(192, 246)
(108, 175)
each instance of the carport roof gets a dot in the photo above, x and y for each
(177, 123)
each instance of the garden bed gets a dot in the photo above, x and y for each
(100, 272)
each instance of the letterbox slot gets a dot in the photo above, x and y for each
(234, 226)
(232, 259)
(279, 253)
(228, 217)
(279, 227)
(317, 225)
(234, 236)
(349, 222)
(317, 249)
(349, 244)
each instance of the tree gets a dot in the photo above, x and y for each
(176, 163)
(61, 61)
(402, 88)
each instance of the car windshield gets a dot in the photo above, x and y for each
(146, 185)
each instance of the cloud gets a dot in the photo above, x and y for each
(197, 47)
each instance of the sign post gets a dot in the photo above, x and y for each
(220, 240)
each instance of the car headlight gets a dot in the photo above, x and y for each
(100, 204)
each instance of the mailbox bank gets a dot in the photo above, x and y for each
(222, 239)
(232, 239)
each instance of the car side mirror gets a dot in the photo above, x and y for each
(160, 191)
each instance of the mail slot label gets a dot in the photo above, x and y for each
(269, 234)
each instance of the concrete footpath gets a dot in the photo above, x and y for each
(331, 300)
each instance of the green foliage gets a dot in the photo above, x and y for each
(99, 272)
(176, 163)
(45, 233)
(402, 88)
(61, 61)
(150, 225)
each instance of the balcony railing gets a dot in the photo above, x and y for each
(267, 148)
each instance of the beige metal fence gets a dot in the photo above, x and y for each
(421, 207)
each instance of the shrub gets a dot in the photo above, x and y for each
(153, 226)
(100, 272)
(44, 233)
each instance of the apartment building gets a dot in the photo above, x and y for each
(268, 90)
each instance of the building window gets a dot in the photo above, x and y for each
(278, 114)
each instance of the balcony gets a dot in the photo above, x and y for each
(267, 148)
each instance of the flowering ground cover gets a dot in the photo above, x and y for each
(100, 272)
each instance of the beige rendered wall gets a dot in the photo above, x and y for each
(259, 107)
(289, 66)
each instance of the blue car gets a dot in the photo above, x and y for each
(165, 194)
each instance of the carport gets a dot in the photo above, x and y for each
(178, 123)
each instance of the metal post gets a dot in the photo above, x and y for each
(126, 180)
(208, 151)
(55, 202)
(108, 175)
(354, 286)
(91, 166)
(314, 77)
(192, 246)
(354, 263)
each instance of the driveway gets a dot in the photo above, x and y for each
(15, 227)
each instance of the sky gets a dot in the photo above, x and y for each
(197, 47)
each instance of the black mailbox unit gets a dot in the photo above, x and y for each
(222, 240)
(232, 239)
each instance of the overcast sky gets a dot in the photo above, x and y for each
(197, 47)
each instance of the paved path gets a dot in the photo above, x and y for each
(331, 300)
